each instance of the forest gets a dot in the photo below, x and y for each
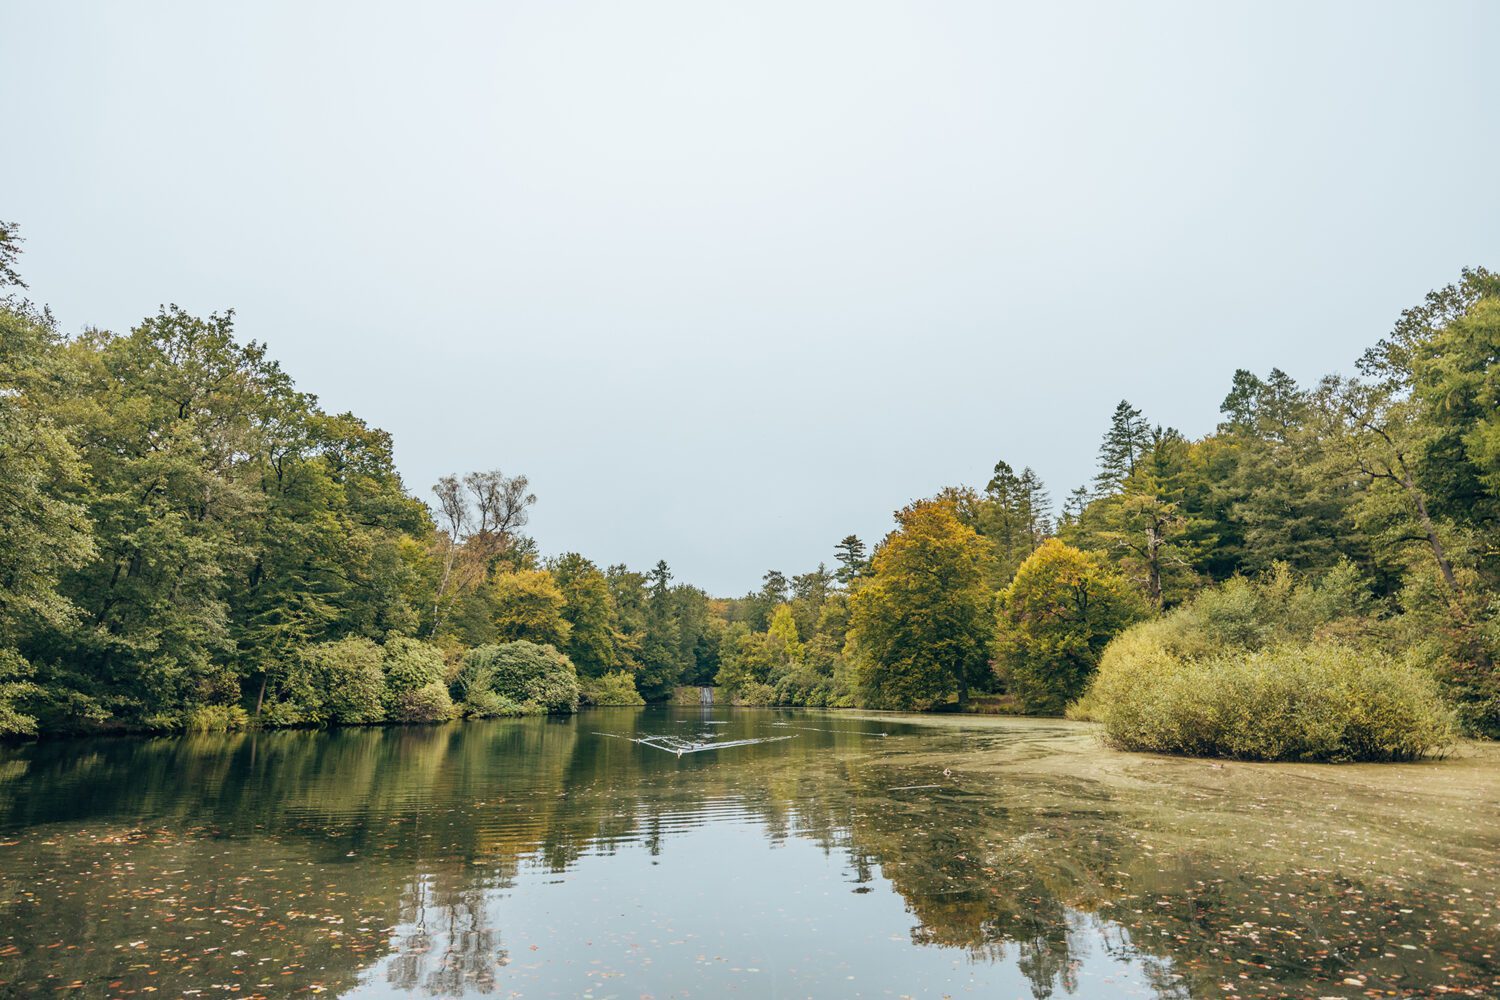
(188, 541)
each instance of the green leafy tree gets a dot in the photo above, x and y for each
(784, 630)
(1456, 379)
(627, 589)
(1148, 525)
(1379, 440)
(921, 621)
(661, 660)
(44, 530)
(589, 612)
(1274, 502)
(809, 592)
(1055, 619)
(748, 664)
(171, 434)
(698, 634)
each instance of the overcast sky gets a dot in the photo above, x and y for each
(730, 281)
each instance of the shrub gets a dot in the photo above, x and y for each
(199, 719)
(803, 684)
(612, 689)
(1315, 701)
(753, 693)
(429, 703)
(1266, 670)
(279, 713)
(486, 704)
(409, 666)
(348, 674)
(522, 672)
(293, 694)
(216, 719)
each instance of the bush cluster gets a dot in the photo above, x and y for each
(414, 683)
(354, 681)
(517, 678)
(615, 689)
(1267, 670)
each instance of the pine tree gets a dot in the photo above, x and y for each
(661, 666)
(1126, 441)
(1038, 506)
(1073, 507)
(852, 560)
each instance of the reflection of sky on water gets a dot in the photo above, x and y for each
(719, 910)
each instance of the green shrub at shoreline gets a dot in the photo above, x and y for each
(1319, 702)
(1267, 671)
(613, 690)
(518, 678)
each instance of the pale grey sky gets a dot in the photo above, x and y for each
(730, 281)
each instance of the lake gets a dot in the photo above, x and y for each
(691, 852)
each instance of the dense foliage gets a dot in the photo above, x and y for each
(1271, 670)
(613, 690)
(923, 622)
(187, 540)
(536, 679)
(1056, 617)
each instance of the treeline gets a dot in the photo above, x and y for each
(1318, 535)
(189, 541)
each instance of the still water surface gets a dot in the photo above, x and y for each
(844, 856)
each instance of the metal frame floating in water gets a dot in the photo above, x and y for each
(679, 746)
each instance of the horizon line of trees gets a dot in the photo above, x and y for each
(1381, 491)
(184, 534)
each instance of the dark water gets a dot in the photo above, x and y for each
(543, 858)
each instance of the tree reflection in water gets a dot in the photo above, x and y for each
(393, 860)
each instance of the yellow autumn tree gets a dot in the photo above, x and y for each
(921, 620)
(784, 627)
(528, 605)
